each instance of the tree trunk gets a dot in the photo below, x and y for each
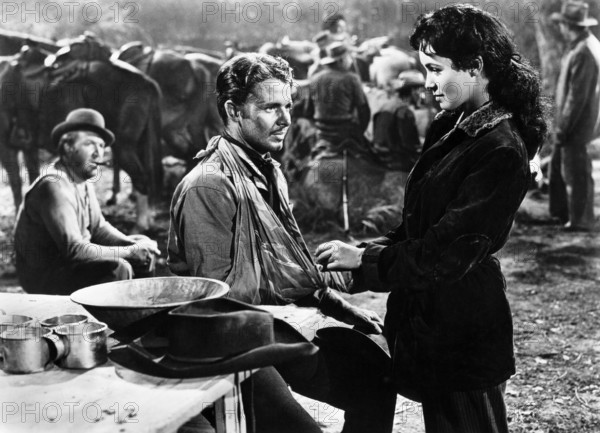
(550, 45)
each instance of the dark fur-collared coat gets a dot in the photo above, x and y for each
(448, 321)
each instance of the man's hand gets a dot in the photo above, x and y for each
(144, 242)
(338, 256)
(333, 305)
(364, 320)
(143, 249)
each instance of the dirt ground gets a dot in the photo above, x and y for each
(553, 288)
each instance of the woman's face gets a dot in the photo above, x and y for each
(451, 88)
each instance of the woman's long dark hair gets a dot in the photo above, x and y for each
(462, 33)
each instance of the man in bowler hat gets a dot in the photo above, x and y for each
(62, 241)
(577, 120)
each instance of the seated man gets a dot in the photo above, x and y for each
(62, 241)
(396, 140)
(231, 220)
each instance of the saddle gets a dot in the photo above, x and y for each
(30, 61)
(86, 47)
(135, 54)
(73, 61)
(76, 61)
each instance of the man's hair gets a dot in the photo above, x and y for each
(238, 77)
(67, 139)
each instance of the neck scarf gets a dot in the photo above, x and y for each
(267, 169)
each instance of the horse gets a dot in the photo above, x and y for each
(188, 106)
(11, 42)
(48, 90)
(21, 81)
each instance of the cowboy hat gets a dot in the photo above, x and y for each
(83, 119)
(410, 78)
(210, 337)
(574, 13)
(335, 52)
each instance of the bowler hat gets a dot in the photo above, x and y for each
(575, 13)
(210, 337)
(335, 51)
(83, 119)
(410, 78)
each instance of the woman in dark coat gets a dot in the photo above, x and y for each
(448, 322)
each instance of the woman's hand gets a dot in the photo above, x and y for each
(338, 256)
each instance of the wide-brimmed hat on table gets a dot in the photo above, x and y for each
(410, 78)
(83, 119)
(335, 52)
(574, 13)
(210, 337)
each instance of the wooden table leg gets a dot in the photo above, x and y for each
(229, 410)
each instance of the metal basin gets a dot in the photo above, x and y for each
(121, 303)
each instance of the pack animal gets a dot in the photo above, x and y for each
(188, 107)
(127, 99)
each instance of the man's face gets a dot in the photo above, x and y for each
(265, 117)
(84, 154)
(568, 34)
(564, 30)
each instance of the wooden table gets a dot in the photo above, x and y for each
(112, 399)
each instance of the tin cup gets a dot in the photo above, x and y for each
(85, 345)
(14, 322)
(65, 319)
(28, 349)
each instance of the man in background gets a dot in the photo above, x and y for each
(62, 241)
(577, 120)
(396, 139)
(338, 105)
